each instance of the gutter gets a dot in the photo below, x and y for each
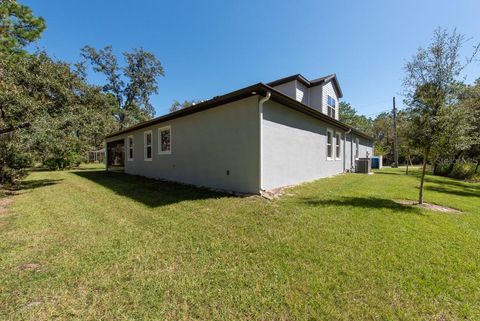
(260, 134)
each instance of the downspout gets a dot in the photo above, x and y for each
(260, 132)
(345, 151)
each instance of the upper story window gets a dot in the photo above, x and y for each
(331, 106)
(329, 144)
(338, 146)
(130, 148)
(164, 140)
(147, 142)
(299, 94)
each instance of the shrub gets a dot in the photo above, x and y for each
(461, 170)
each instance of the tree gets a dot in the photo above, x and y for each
(382, 131)
(141, 72)
(18, 26)
(176, 105)
(349, 116)
(48, 114)
(430, 86)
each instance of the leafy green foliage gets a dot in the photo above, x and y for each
(349, 116)
(18, 26)
(176, 105)
(48, 113)
(431, 89)
(141, 72)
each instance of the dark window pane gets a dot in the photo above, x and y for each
(149, 152)
(165, 138)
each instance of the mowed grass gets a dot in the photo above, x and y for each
(91, 245)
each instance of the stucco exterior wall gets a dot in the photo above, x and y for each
(294, 147)
(365, 147)
(204, 146)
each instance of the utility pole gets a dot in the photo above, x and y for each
(395, 138)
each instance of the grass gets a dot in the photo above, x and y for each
(89, 245)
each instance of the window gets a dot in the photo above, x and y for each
(299, 94)
(329, 144)
(356, 148)
(147, 143)
(338, 146)
(130, 148)
(331, 106)
(164, 140)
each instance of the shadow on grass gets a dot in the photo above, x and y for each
(26, 185)
(150, 192)
(466, 192)
(367, 203)
(442, 184)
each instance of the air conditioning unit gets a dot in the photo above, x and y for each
(363, 165)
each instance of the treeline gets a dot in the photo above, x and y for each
(441, 124)
(49, 113)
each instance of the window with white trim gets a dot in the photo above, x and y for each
(329, 144)
(147, 144)
(130, 148)
(357, 152)
(331, 106)
(338, 146)
(164, 140)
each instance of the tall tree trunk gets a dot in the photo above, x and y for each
(436, 167)
(422, 181)
(408, 159)
(476, 167)
(452, 164)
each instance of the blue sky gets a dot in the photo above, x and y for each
(209, 48)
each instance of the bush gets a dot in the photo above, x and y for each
(461, 170)
(71, 159)
(12, 163)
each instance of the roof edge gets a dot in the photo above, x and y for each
(309, 83)
(256, 89)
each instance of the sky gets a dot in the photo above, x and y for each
(209, 48)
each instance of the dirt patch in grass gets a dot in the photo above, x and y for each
(428, 206)
(4, 202)
(32, 304)
(30, 267)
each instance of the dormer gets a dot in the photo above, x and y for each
(321, 94)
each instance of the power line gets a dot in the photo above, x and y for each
(378, 112)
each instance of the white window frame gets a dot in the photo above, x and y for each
(331, 143)
(164, 152)
(338, 143)
(357, 148)
(333, 107)
(145, 146)
(130, 147)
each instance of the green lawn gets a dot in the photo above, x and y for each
(92, 245)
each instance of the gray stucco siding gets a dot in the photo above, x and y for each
(204, 146)
(364, 146)
(294, 147)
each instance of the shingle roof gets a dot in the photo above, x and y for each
(309, 83)
(257, 89)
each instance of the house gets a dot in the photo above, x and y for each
(257, 138)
